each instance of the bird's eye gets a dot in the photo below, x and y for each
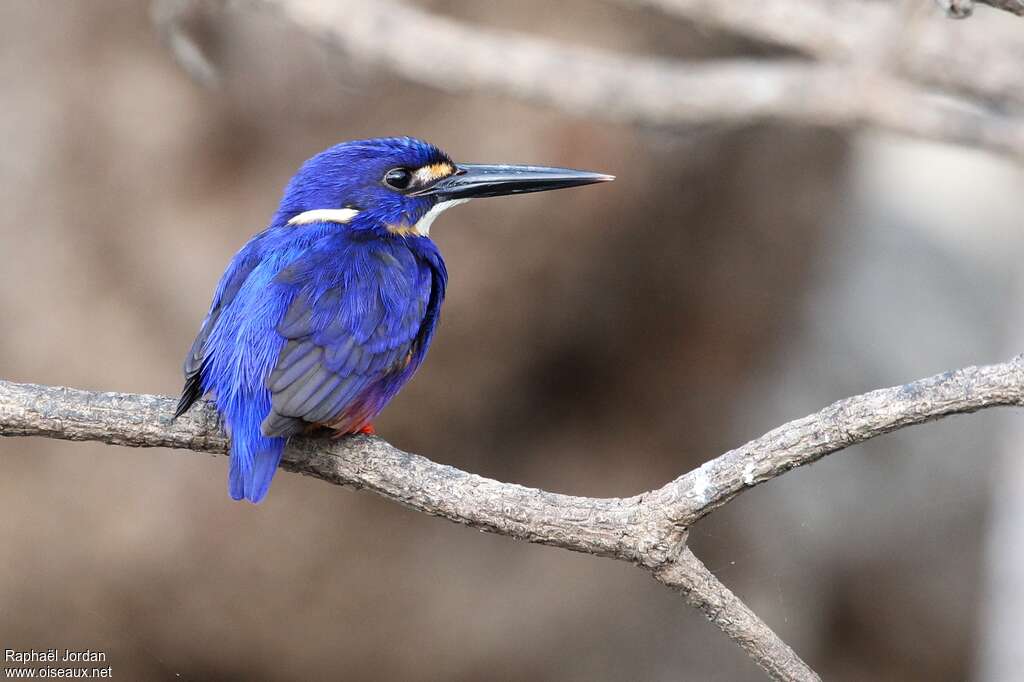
(399, 178)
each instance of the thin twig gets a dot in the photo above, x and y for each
(169, 17)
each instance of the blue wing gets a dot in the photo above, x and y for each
(355, 331)
(198, 359)
(307, 327)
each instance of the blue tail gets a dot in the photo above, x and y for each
(249, 477)
(254, 457)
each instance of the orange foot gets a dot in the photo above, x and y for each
(367, 430)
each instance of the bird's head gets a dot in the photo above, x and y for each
(398, 185)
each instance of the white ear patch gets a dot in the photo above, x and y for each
(422, 226)
(324, 215)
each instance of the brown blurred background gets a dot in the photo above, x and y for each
(597, 342)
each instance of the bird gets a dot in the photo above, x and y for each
(320, 319)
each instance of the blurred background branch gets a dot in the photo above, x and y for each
(657, 92)
(858, 72)
(961, 9)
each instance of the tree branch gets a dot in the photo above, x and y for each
(170, 17)
(856, 83)
(703, 591)
(850, 77)
(607, 527)
(825, 30)
(840, 425)
(647, 529)
(660, 92)
(976, 63)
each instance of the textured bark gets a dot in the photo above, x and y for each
(838, 426)
(648, 529)
(703, 591)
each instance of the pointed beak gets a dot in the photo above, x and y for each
(473, 180)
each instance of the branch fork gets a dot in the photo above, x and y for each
(648, 530)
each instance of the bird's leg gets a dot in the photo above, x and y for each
(368, 430)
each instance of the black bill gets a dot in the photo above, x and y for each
(474, 180)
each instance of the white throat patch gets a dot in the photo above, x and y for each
(422, 226)
(324, 215)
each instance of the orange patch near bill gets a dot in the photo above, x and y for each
(435, 171)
